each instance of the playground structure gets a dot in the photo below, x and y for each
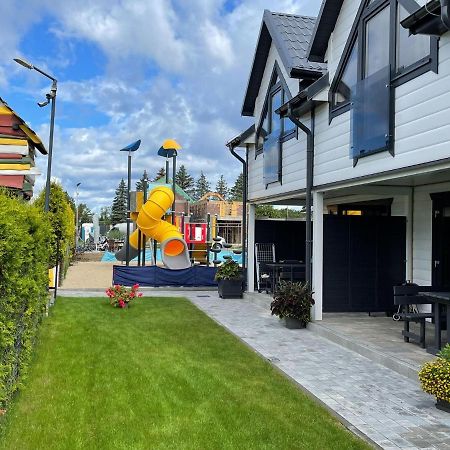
(150, 223)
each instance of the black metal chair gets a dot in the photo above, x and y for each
(405, 297)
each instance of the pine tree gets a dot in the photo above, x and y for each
(119, 205)
(185, 180)
(202, 186)
(141, 181)
(161, 174)
(222, 187)
(237, 191)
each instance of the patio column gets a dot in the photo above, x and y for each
(317, 263)
(251, 248)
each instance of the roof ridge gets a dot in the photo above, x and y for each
(297, 16)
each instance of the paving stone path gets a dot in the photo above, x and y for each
(389, 409)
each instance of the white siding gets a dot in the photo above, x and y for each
(422, 120)
(294, 150)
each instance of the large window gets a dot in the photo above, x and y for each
(378, 40)
(270, 123)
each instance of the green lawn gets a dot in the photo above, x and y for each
(158, 375)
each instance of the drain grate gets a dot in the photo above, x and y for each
(203, 296)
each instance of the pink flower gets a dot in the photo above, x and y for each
(136, 286)
(140, 294)
(121, 303)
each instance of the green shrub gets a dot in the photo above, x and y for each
(229, 270)
(434, 378)
(62, 224)
(292, 300)
(24, 256)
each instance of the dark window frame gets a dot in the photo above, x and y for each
(357, 33)
(286, 95)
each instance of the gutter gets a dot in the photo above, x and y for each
(309, 185)
(445, 13)
(232, 147)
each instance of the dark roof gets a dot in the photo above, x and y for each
(237, 140)
(326, 21)
(291, 35)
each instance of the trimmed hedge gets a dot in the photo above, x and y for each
(25, 239)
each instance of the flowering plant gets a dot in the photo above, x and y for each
(120, 296)
(435, 375)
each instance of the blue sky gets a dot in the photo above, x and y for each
(133, 69)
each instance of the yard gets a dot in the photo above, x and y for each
(158, 375)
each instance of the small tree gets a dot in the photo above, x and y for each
(85, 215)
(222, 187)
(185, 180)
(119, 205)
(105, 215)
(202, 186)
(161, 174)
(237, 191)
(141, 182)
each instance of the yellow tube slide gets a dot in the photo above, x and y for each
(174, 251)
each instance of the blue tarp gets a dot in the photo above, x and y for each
(196, 276)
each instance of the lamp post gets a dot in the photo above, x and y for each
(76, 216)
(50, 98)
(130, 149)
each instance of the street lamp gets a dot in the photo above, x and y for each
(129, 148)
(50, 97)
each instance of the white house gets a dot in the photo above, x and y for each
(376, 99)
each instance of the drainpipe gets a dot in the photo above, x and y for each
(445, 13)
(244, 204)
(309, 184)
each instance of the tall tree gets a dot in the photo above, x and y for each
(185, 180)
(140, 182)
(105, 215)
(119, 205)
(202, 186)
(161, 174)
(237, 191)
(222, 187)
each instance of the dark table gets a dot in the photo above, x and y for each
(276, 266)
(438, 299)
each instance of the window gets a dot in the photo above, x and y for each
(376, 53)
(409, 48)
(271, 123)
(377, 40)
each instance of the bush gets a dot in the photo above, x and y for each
(62, 223)
(24, 256)
(229, 270)
(434, 376)
(293, 300)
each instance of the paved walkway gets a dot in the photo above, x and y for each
(390, 409)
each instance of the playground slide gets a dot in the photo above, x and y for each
(174, 251)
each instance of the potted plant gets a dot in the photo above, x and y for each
(229, 278)
(434, 378)
(292, 302)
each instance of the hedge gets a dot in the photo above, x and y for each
(25, 239)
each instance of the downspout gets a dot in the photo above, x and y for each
(309, 185)
(445, 13)
(244, 203)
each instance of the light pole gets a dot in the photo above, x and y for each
(76, 217)
(50, 97)
(129, 148)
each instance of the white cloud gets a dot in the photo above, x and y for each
(200, 57)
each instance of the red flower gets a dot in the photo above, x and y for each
(136, 286)
(121, 303)
(140, 294)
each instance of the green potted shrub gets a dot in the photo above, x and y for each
(229, 280)
(434, 378)
(292, 302)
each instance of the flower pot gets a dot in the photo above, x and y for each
(294, 324)
(230, 288)
(443, 405)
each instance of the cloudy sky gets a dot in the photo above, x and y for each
(133, 69)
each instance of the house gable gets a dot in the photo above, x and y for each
(290, 35)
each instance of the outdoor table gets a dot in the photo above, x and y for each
(438, 299)
(276, 266)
